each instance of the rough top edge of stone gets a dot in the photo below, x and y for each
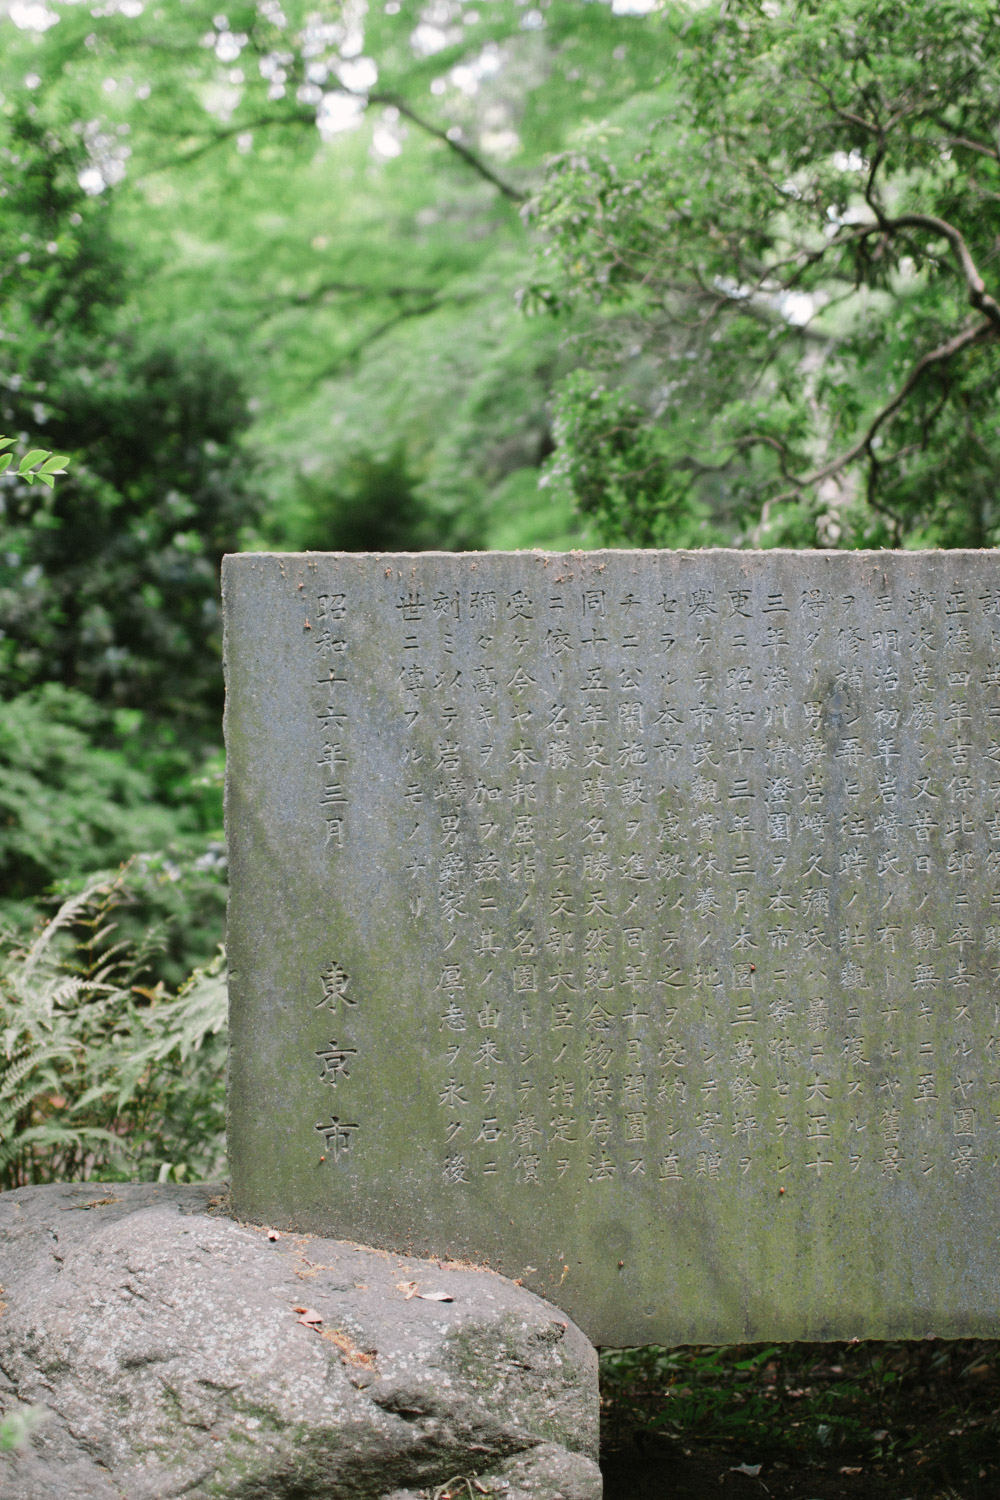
(581, 554)
(105, 1193)
(212, 1200)
(37, 1205)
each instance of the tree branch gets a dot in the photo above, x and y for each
(967, 142)
(301, 117)
(941, 355)
(469, 157)
(978, 295)
(359, 289)
(221, 136)
(858, 121)
(378, 332)
(970, 145)
(273, 306)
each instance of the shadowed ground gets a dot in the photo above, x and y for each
(914, 1421)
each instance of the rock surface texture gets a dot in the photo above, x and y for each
(176, 1352)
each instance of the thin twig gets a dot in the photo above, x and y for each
(940, 355)
(469, 157)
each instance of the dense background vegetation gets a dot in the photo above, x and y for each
(407, 274)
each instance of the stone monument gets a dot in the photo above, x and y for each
(628, 922)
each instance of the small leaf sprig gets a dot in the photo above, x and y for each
(38, 463)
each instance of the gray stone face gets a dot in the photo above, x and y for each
(630, 922)
(163, 1350)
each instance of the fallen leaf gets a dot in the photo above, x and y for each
(410, 1289)
(309, 1317)
(350, 1353)
(851, 1471)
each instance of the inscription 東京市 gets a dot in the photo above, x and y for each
(667, 884)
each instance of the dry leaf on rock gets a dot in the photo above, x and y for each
(409, 1289)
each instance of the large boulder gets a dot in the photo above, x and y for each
(172, 1352)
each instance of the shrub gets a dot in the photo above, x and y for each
(102, 1076)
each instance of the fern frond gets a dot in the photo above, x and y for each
(72, 911)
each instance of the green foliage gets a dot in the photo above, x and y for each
(17, 1426)
(101, 1076)
(368, 503)
(110, 584)
(771, 214)
(111, 587)
(83, 787)
(110, 649)
(798, 240)
(620, 470)
(37, 463)
(68, 803)
(698, 1384)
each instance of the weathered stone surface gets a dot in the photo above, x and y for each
(162, 1341)
(630, 921)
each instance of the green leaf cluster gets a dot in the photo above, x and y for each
(624, 471)
(68, 803)
(37, 463)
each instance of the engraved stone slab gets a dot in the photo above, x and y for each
(629, 921)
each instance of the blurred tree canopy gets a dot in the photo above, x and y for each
(330, 196)
(777, 212)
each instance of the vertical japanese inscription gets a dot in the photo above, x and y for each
(709, 875)
(643, 907)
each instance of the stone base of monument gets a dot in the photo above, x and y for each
(170, 1351)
